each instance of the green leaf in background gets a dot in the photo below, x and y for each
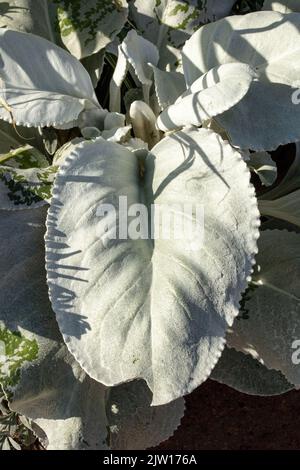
(87, 27)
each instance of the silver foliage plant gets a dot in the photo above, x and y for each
(171, 101)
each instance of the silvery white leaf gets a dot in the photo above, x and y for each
(263, 165)
(282, 6)
(28, 16)
(135, 145)
(87, 27)
(56, 93)
(114, 298)
(140, 54)
(65, 150)
(169, 23)
(265, 118)
(285, 208)
(113, 120)
(143, 122)
(118, 77)
(134, 423)
(247, 375)
(269, 42)
(168, 86)
(217, 91)
(118, 134)
(271, 325)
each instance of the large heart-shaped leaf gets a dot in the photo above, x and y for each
(87, 27)
(247, 375)
(70, 410)
(153, 309)
(270, 43)
(272, 324)
(55, 94)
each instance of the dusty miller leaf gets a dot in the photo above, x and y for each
(41, 84)
(247, 375)
(262, 164)
(25, 188)
(269, 42)
(87, 27)
(141, 285)
(215, 92)
(282, 6)
(273, 309)
(169, 23)
(285, 208)
(129, 414)
(28, 16)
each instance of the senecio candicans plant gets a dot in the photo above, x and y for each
(109, 111)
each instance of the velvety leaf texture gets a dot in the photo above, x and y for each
(137, 309)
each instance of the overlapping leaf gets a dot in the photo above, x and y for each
(247, 375)
(267, 116)
(58, 91)
(168, 23)
(212, 94)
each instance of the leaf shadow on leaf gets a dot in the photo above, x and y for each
(64, 297)
(218, 42)
(6, 8)
(189, 148)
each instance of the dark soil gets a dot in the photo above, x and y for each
(220, 418)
